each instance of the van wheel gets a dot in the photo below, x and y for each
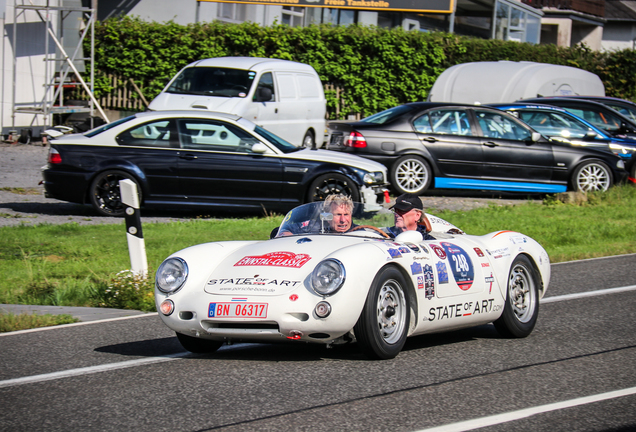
(309, 141)
(332, 184)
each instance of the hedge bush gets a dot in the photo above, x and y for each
(375, 68)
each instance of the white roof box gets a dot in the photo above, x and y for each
(507, 81)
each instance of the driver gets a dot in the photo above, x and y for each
(408, 212)
(341, 207)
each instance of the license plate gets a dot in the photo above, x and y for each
(237, 310)
(336, 140)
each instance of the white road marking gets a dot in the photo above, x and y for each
(587, 294)
(89, 370)
(77, 324)
(527, 412)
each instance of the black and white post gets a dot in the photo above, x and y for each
(136, 244)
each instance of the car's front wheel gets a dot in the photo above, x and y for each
(522, 300)
(383, 325)
(332, 184)
(592, 175)
(105, 195)
(411, 174)
(198, 345)
(309, 141)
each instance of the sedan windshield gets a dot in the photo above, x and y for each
(280, 143)
(213, 81)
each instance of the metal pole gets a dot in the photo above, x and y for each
(134, 233)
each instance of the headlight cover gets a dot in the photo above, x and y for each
(374, 177)
(171, 275)
(328, 277)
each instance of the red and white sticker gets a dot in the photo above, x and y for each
(275, 259)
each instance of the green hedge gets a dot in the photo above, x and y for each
(375, 68)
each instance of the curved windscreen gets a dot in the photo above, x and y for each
(334, 218)
(213, 81)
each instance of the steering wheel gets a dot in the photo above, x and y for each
(378, 230)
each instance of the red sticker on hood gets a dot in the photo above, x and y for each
(275, 259)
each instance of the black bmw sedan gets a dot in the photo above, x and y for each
(186, 159)
(442, 145)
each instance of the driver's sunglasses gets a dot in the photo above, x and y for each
(401, 212)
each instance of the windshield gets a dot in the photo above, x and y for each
(280, 143)
(555, 124)
(213, 81)
(388, 115)
(630, 113)
(334, 217)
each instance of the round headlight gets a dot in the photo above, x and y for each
(328, 277)
(171, 275)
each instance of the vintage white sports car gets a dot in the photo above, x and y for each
(310, 284)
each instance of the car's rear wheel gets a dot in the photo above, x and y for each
(332, 184)
(198, 345)
(383, 325)
(411, 174)
(592, 175)
(522, 300)
(105, 195)
(309, 141)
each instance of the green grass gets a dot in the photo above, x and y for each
(12, 322)
(72, 265)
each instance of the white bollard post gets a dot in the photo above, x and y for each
(136, 244)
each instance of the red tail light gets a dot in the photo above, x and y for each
(356, 140)
(54, 157)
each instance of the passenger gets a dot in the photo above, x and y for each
(341, 207)
(409, 216)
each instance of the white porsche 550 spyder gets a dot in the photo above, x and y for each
(309, 284)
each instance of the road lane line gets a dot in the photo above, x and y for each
(17, 332)
(89, 370)
(527, 412)
(587, 294)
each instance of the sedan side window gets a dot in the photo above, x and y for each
(197, 134)
(495, 125)
(452, 122)
(154, 134)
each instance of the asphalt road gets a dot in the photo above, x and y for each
(575, 372)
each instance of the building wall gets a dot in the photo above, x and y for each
(619, 36)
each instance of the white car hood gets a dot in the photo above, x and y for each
(339, 158)
(276, 266)
(169, 101)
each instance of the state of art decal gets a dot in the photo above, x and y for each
(275, 259)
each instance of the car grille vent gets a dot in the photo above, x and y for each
(250, 326)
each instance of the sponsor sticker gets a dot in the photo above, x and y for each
(394, 253)
(460, 264)
(439, 252)
(429, 282)
(420, 282)
(460, 310)
(478, 252)
(416, 268)
(442, 273)
(275, 259)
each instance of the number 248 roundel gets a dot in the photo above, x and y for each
(461, 265)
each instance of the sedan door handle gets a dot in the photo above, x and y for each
(430, 139)
(491, 144)
(188, 156)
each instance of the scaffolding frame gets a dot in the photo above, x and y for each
(54, 85)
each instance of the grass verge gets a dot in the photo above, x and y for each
(12, 322)
(72, 265)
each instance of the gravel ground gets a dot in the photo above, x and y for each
(20, 167)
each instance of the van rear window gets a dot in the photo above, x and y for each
(213, 81)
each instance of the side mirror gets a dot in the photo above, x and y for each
(536, 136)
(590, 135)
(263, 94)
(259, 148)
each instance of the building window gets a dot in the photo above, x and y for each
(515, 24)
(293, 16)
(232, 12)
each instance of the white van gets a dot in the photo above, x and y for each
(284, 97)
